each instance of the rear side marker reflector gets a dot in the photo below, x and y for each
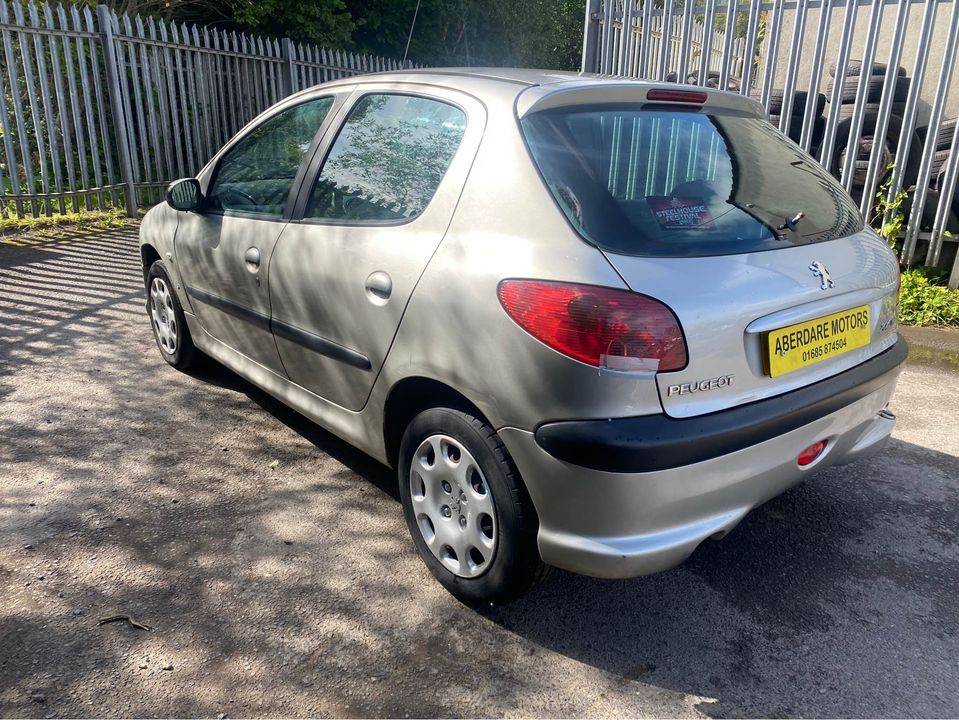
(603, 327)
(811, 453)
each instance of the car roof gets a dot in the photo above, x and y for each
(465, 77)
(541, 88)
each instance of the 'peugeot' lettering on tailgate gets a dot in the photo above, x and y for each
(700, 385)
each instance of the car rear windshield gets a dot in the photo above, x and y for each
(667, 182)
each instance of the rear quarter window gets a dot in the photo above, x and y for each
(648, 180)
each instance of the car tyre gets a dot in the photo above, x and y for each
(854, 68)
(871, 110)
(893, 130)
(170, 330)
(874, 88)
(800, 98)
(514, 565)
(939, 160)
(944, 136)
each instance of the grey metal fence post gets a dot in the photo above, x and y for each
(289, 54)
(590, 36)
(116, 103)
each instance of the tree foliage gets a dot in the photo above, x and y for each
(324, 21)
(524, 33)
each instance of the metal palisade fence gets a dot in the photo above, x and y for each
(99, 110)
(865, 86)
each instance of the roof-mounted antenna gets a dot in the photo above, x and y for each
(466, 35)
(410, 36)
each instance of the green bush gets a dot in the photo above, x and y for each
(922, 302)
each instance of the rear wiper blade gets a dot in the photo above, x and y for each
(791, 223)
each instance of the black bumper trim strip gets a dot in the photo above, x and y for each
(659, 442)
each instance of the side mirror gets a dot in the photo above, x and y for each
(185, 194)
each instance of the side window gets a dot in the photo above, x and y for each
(257, 173)
(387, 160)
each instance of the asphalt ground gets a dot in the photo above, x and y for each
(274, 566)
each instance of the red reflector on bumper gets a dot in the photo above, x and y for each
(807, 456)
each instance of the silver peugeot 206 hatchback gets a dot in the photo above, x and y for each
(591, 322)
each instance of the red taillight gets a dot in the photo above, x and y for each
(693, 97)
(809, 455)
(599, 326)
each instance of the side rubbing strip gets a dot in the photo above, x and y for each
(282, 329)
(321, 345)
(231, 308)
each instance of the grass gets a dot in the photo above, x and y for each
(56, 224)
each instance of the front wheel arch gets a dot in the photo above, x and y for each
(148, 256)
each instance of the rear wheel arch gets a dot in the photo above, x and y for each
(411, 396)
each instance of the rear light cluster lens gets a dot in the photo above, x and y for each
(603, 327)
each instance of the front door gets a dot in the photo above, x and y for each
(384, 193)
(224, 251)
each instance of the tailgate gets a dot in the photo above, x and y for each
(712, 211)
(728, 305)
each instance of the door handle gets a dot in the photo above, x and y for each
(252, 259)
(379, 285)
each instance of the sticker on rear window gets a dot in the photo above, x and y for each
(674, 213)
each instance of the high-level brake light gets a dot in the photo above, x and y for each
(691, 97)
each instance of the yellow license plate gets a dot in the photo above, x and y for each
(807, 343)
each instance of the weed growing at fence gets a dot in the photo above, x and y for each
(889, 218)
(923, 297)
(924, 302)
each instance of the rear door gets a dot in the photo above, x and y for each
(224, 251)
(750, 242)
(374, 208)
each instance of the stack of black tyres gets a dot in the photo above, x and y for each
(873, 95)
(937, 178)
(850, 88)
(798, 112)
(941, 154)
(733, 83)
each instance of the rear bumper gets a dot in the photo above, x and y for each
(660, 442)
(612, 523)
